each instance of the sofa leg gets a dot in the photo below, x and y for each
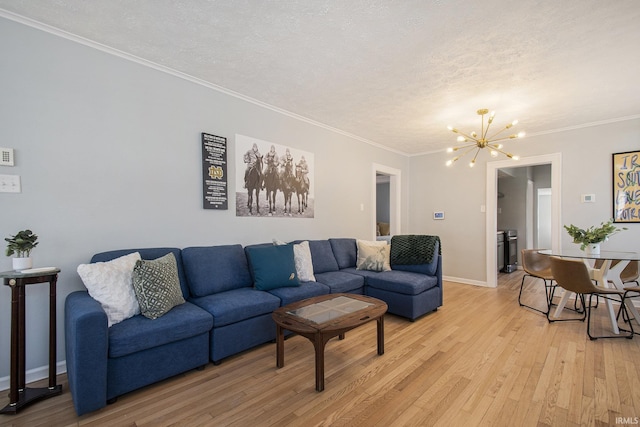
(217, 362)
(201, 368)
(112, 400)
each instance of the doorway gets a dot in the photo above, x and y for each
(555, 160)
(543, 228)
(393, 177)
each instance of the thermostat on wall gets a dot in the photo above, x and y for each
(588, 198)
(438, 215)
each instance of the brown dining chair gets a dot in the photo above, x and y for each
(630, 292)
(573, 276)
(629, 274)
(538, 266)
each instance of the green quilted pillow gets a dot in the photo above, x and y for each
(157, 285)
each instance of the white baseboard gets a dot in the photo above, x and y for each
(35, 374)
(465, 281)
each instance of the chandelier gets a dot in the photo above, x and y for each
(478, 142)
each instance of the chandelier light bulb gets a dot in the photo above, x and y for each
(494, 153)
(450, 150)
(462, 139)
(521, 134)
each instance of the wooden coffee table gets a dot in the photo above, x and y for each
(323, 317)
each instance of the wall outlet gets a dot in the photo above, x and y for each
(10, 184)
(6, 156)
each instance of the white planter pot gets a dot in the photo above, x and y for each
(22, 263)
(593, 249)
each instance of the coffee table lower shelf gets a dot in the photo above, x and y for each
(319, 333)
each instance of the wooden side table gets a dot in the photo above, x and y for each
(19, 395)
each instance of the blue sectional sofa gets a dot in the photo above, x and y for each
(224, 314)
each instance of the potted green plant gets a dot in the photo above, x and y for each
(591, 238)
(21, 245)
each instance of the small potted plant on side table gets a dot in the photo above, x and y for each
(591, 238)
(21, 245)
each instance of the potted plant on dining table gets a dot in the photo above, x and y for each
(590, 238)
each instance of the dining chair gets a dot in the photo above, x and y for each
(628, 275)
(630, 292)
(573, 276)
(537, 266)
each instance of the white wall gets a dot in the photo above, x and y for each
(460, 192)
(109, 155)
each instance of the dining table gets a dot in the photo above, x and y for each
(605, 275)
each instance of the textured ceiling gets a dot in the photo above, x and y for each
(394, 73)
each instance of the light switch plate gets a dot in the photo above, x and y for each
(6, 156)
(10, 184)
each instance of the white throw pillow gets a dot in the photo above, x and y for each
(303, 260)
(304, 263)
(110, 283)
(373, 256)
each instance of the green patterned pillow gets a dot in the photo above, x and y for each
(157, 285)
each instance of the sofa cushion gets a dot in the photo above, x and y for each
(237, 305)
(140, 333)
(305, 290)
(402, 282)
(272, 266)
(157, 286)
(339, 281)
(109, 283)
(345, 252)
(214, 269)
(322, 256)
(373, 255)
(428, 269)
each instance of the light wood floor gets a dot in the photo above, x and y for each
(479, 360)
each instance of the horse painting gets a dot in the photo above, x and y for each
(254, 183)
(287, 185)
(271, 184)
(302, 189)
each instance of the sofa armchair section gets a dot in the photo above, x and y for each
(106, 362)
(224, 314)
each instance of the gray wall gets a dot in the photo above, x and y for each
(382, 202)
(109, 155)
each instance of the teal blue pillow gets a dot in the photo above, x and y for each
(272, 267)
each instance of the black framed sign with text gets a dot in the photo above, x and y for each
(214, 172)
(626, 186)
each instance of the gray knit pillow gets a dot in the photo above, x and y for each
(157, 285)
